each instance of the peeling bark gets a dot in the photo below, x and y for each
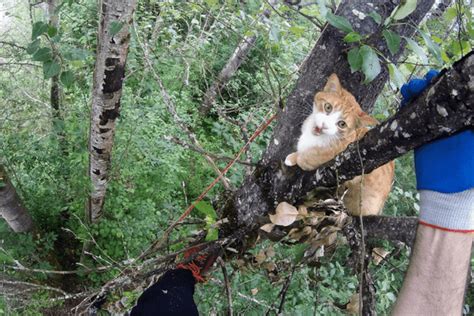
(272, 183)
(230, 68)
(112, 50)
(11, 207)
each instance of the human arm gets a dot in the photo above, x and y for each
(436, 278)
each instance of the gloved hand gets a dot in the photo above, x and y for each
(444, 174)
(445, 165)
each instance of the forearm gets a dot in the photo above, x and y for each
(436, 278)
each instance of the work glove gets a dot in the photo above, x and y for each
(444, 172)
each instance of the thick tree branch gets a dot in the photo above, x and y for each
(270, 184)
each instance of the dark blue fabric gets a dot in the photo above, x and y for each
(445, 165)
(172, 295)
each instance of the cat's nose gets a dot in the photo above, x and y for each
(317, 130)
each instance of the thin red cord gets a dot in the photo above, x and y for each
(259, 130)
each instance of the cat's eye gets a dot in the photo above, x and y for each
(327, 107)
(341, 124)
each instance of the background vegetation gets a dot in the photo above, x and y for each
(154, 177)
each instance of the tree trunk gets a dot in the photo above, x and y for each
(11, 207)
(55, 90)
(256, 197)
(230, 68)
(112, 49)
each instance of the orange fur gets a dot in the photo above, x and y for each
(315, 147)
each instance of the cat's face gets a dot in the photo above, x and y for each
(332, 116)
(335, 117)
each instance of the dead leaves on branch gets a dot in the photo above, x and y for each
(315, 223)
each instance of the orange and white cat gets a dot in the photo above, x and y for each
(336, 121)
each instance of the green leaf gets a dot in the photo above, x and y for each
(433, 48)
(393, 41)
(52, 31)
(450, 14)
(67, 78)
(396, 76)
(206, 209)
(377, 17)
(75, 53)
(299, 251)
(38, 29)
(339, 22)
(42, 54)
(115, 27)
(33, 47)
(212, 234)
(274, 33)
(212, 3)
(355, 59)
(370, 63)
(297, 30)
(352, 37)
(414, 47)
(404, 9)
(50, 69)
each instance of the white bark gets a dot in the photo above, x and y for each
(231, 67)
(11, 207)
(112, 50)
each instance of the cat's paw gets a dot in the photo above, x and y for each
(291, 160)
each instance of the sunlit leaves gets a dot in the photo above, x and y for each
(419, 52)
(395, 75)
(404, 9)
(433, 48)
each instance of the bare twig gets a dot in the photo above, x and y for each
(227, 287)
(172, 109)
(182, 143)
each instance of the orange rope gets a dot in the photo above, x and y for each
(259, 130)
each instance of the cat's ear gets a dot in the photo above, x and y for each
(366, 120)
(333, 84)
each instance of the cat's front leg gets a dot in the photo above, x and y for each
(291, 159)
(313, 158)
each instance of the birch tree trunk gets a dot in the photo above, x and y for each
(112, 49)
(230, 68)
(55, 89)
(11, 207)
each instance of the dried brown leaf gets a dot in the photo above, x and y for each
(270, 252)
(260, 257)
(267, 227)
(285, 214)
(254, 291)
(353, 306)
(378, 254)
(270, 266)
